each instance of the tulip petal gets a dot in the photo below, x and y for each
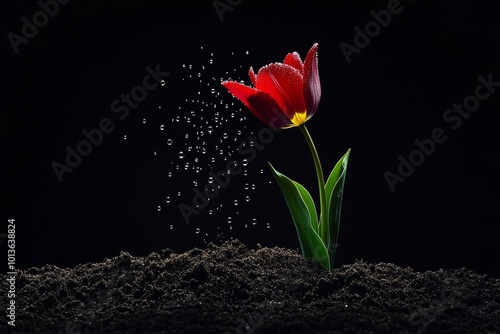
(312, 87)
(261, 104)
(251, 74)
(284, 84)
(293, 59)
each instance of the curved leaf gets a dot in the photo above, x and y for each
(310, 206)
(301, 207)
(334, 189)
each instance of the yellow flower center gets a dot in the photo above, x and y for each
(299, 118)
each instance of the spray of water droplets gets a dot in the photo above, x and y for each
(200, 133)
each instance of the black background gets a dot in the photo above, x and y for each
(396, 90)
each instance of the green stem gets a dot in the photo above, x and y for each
(323, 224)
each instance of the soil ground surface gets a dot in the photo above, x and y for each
(227, 288)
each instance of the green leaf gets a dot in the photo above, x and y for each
(301, 207)
(310, 206)
(334, 189)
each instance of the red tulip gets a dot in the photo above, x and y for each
(286, 94)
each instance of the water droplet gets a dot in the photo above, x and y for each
(197, 230)
(158, 208)
(178, 193)
(246, 186)
(244, 162)
(225, 135)
(162, 82)
(247, 198)
(268, 225)
(229, 220)
(168, 199)
(235, 202)
(162, 127)
(124, 137)
(246, 52)
(253, 186)
(212, 90)
(254, 221)
(171, 227)
(154, 153)
(181, 155)
(144, 121)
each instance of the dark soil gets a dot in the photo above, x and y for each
(230, 289)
